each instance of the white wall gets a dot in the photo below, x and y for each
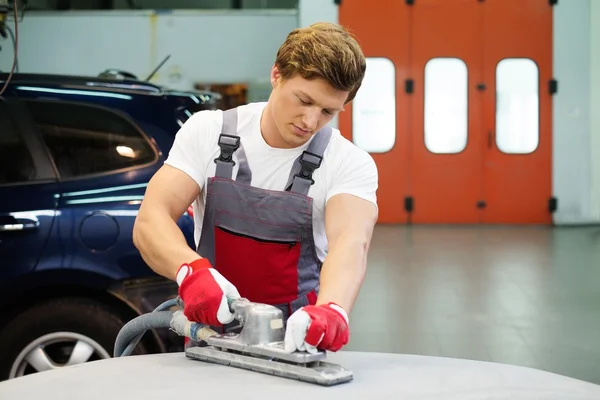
(594, 46)
(311, 11)
(217, 46)
(572, 170)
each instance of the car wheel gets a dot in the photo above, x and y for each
(59, 333)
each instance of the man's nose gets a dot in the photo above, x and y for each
(311, 118)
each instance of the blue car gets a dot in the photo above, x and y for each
(76, 154)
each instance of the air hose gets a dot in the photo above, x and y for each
(162, 317)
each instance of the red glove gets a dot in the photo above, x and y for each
(323, 327)
(204, 292)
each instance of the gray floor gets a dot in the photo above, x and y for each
(527, 296)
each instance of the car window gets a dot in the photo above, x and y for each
(85, 139)
(16, 164)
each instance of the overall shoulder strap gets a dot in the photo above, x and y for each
(300, 178)
(229, 143)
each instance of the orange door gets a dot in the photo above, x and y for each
(446, 119)
(383, 33)
(518, 111)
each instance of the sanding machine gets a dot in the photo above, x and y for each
(259, 345)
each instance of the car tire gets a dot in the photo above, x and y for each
(45, 336)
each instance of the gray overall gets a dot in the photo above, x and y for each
(262, 240)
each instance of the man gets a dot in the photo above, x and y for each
(284, 206)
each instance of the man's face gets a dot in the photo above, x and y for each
(301, 107)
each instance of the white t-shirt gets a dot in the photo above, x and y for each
(345, 168)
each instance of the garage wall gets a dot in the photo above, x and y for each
(219, 46)
(137, 41)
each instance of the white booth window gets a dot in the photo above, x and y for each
(446, 105)
(374, 108)
(517, 106)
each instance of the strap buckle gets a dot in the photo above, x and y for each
(228, 144)
(309, 162)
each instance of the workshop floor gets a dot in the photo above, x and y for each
(527, 296)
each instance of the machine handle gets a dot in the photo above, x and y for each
(236, 304)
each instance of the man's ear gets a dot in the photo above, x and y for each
(275, 76)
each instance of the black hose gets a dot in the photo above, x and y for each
(135, 328)
(132, 332)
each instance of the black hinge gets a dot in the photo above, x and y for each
(337, 2)
(553, 86)
(409, 86)
(481, 86)
(481, 204)
(408, 204)
(552, 204)
(553, 2)
(409, 2)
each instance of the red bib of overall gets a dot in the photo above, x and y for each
(262, 240)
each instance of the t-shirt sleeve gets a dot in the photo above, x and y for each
(357, 175)
(192, 147)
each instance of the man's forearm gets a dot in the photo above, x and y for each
(343, 272)
(161, 243)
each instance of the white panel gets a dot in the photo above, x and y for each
(374, 108)
(446, 105)
(517, 106)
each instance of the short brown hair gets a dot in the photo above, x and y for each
(323, 50)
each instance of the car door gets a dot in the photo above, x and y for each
(104, 162)
(28, 193)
